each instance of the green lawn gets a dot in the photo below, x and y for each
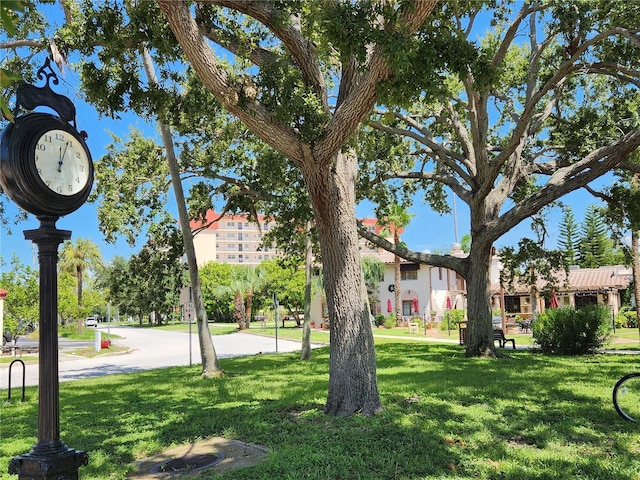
(524, 417)
(215, 328)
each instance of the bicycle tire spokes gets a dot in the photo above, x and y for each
(626, 397)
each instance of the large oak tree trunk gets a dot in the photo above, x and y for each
(353, 385)
(480, 334)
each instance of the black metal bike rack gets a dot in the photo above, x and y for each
(24, 373)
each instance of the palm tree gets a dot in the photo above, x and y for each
(79, 258)
(254, 278)
(244, 281)
(373, 271)
(394, 222)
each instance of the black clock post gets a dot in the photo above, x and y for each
(50, 458)
(46, 168)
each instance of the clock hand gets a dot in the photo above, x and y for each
(62, 156)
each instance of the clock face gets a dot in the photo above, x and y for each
(45, 165)
(62, 162)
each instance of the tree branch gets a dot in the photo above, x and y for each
(510, 34)
(456, 264)
(463, 136)
(27, 42)
(301, 49)
(244, 189)
(204, 61)
(360, 99)
(568, 179)
(259, 56)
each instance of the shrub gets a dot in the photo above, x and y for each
(390, 321)
(380, 318)
(568, 331)
(626, 318)
(455, 317)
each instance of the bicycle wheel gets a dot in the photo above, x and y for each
(626, 397)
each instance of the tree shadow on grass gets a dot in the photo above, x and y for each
(446, 416)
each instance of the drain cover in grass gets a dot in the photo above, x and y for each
(188, 463)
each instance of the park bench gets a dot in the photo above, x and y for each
(502, 340)
(291, 317)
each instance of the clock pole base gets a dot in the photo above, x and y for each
(48, 465)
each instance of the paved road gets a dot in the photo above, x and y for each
(150, 349)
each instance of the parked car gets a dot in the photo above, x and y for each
(24, 328)
(91, 322)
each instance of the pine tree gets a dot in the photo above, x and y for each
(595, 248)
(568, 240)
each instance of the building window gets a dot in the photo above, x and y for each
(231, 246)
(240, 247)
(409, 271)
(409, 275)
(239, 225)
(585, 299)
(240, 258)
(439, 273)
(231, 235)
(231, 257)
(231, 224)
(511, 304)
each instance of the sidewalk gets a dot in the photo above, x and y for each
(150, 349)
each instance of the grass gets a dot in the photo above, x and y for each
(215, 328)
(524, 417)
(90, 352)
(87, 333)
(7, 359)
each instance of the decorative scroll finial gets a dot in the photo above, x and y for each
(49, 75)
(29, 96)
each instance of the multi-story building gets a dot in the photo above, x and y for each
(231, 239)
(236, 240)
